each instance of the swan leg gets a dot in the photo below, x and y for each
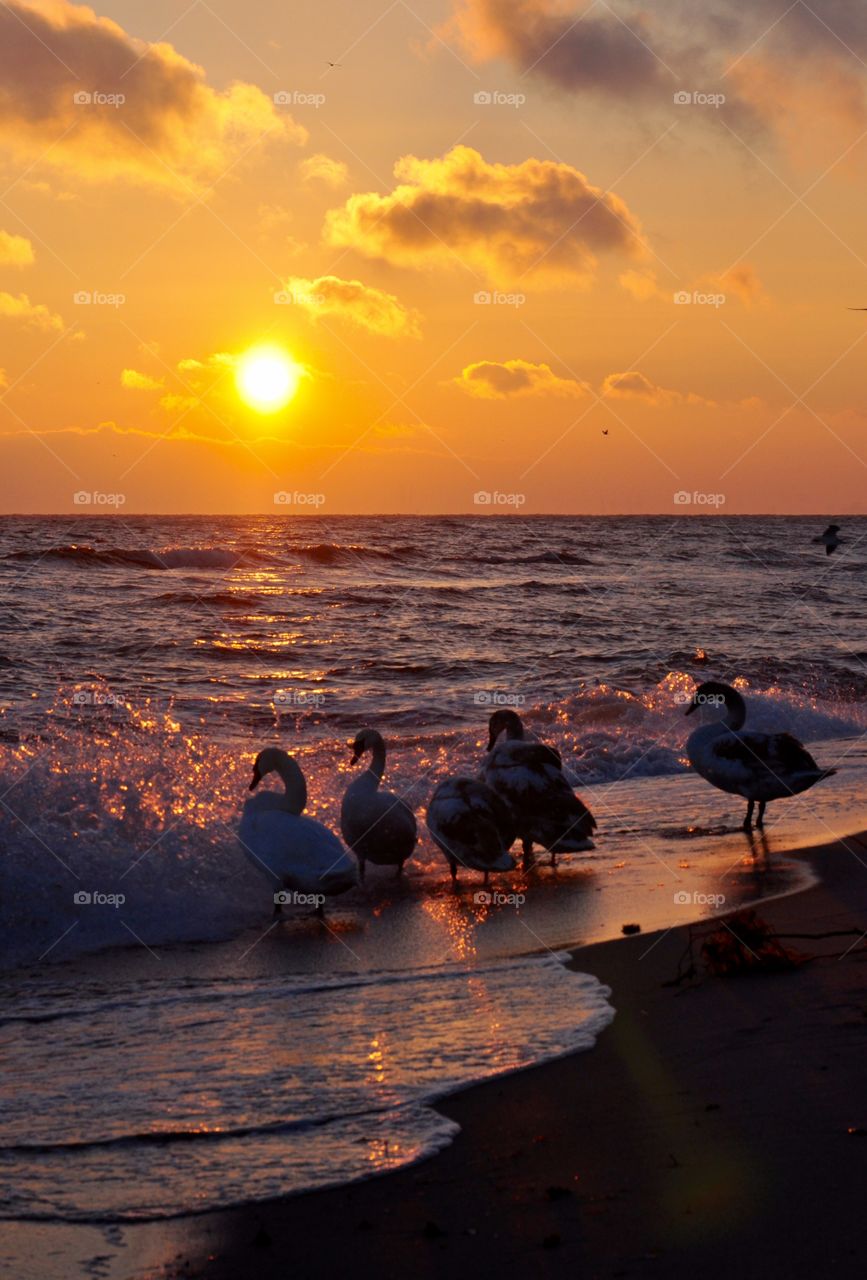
(485, 881)
(454, 867)
(320, 911)
(399, 872)
(278, 910)
(760, 820)
(527, 846)
(361, 866)
(748, 820)
(553, 858)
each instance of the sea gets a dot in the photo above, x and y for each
(167, 1046)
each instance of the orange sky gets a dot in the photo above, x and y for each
(475, 234)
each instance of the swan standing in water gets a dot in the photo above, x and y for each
(377, 825)
(297, 854)
(529, 777)
(758, 766)
(472, 826)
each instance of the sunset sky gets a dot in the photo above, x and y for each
(463, 252)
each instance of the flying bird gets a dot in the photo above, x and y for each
(829, 539)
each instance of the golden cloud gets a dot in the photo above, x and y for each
(322, 168)
(634, 385)
(106, 105)
(538, 219)
(32, 313)
(359, 304)
(501, 380)
(15, 251)
(135, 381)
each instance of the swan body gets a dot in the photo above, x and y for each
(472, 826)
(297, 854)
(529, 777)
(377, 825)
(758, 766)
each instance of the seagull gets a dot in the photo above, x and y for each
(334, 65)
(829, 539)
(605, 431)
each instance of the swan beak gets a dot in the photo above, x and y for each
(257, 778)
(356, 756)
(492, 738)
(690, 709)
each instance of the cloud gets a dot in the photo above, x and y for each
(744, 283)
(538, 219)
(633, 385)
(143, 112)
(360, 304)
(596, 49)
(15, 251)
(501, 380)
(135, 381)
(32, 313)
(322, 168)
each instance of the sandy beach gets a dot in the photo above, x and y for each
(718, 1127)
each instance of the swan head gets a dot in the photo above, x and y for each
(273, 760)
(716, 695)
(267, 761)
(367, 740)
(504, 721)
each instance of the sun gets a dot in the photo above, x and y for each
(267, 378)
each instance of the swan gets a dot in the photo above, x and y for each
(296, 853)
(377, 825)
(758, 766)
(472, 826)
(529, 777)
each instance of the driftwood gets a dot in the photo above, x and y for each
(741, 944)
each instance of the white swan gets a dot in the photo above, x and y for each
(377, 825)
(758, 766)
(472, 826)
(296, 854)
(529, 777)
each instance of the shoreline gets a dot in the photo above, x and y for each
(660, 1151)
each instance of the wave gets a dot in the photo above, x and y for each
(172, 558)
(351, 553)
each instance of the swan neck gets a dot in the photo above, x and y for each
(377, 760)
(735, 716)
(294, 785)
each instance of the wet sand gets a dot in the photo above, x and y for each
(717, 1128)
